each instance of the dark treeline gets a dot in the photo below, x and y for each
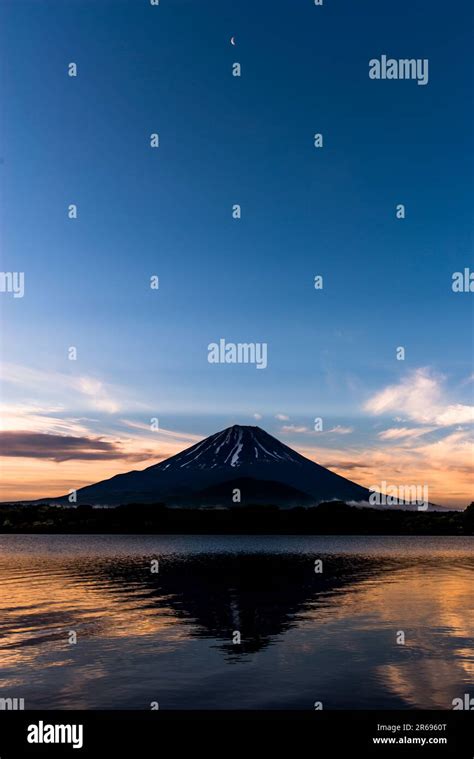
(334, 518)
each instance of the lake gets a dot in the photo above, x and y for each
(387, 624)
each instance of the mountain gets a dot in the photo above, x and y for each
(239, 457)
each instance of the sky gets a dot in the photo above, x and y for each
(142, 353)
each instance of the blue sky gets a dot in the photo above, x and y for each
(246, 140)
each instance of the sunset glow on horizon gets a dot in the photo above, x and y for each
(47, 451)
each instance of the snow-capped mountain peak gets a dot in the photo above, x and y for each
(241, 459)
(233, 447)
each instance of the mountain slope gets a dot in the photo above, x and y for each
(207, 473)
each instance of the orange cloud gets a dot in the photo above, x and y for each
(445, 466)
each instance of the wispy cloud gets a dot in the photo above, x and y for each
(340, 430)
(282, 417)
(420, 397)
(72, 390)
(98, 394)
(398, 433)
(27, 416)
(294, 428)
(186, 438)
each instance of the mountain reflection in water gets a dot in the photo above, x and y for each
(168, 636)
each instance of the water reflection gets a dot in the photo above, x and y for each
(168, 636)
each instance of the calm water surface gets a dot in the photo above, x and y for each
(167, 637)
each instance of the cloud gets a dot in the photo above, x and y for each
(444, 464)
(420, 398)
(455, 414)
(398, 433)
(24, 416)
(96, 390)
(337, 430)
(186, 438)
(68, 387)
(257, 417)
(38, 445)
(282, 417)
(347, 465)
(293, 428)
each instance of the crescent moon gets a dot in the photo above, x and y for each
(232, 40)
